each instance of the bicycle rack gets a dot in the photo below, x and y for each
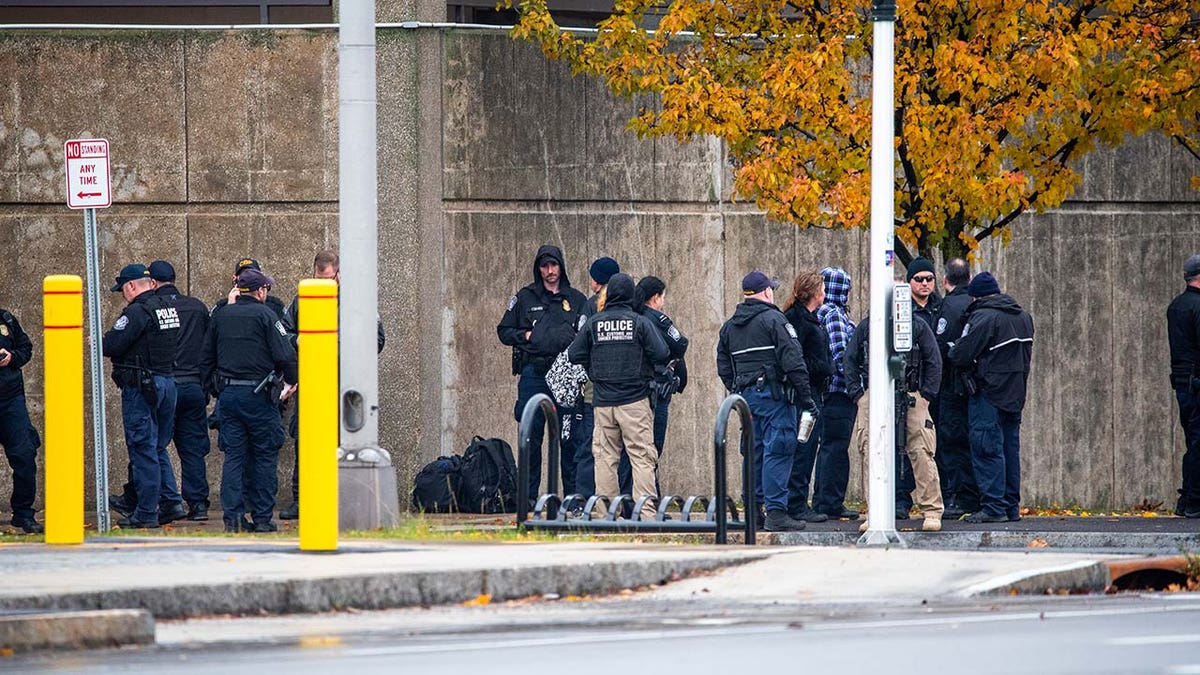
(576, 513)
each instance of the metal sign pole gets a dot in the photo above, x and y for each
(99, 427)
(881, 505)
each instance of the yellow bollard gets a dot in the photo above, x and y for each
(318, 347)
(62, 306)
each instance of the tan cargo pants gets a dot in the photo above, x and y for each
(921, 445)
(633, 425)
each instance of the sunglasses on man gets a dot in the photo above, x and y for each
(923, 279)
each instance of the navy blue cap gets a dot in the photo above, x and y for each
(161, 270)
(756, 282)
(251, 280)
(129, 273)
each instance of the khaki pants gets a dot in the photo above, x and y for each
(631, 424)
(921, 445)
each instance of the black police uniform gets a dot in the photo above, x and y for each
(247, 343)
(619, 348)
(291, 321)
(922, 375)
(953, 435)
(552, 320)
(759, 357)
(1183, 336)
(818, 359)
(17, 435)
(142, 345)
(191, 402)
(995, 351)
(670, 378)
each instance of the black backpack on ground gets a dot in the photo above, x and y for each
(489, 477)
(436, 486)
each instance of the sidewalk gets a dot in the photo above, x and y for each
(179, 577)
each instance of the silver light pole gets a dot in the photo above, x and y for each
(881, 518)
(366, 483)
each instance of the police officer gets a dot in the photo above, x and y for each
(326, 265)
(759, 357)
(1183, 335)
(240, 266)
(953, 438)
(994, 352)
(191, 403)
(540, 322)
(619, 348)
(142, 345)
(247, 349)
(922, 378)
(17, 434)
(670, 378)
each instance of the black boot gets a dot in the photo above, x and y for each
(170, 513)
(198, 511)
(779, 521)
(291, 513)
(29, 525)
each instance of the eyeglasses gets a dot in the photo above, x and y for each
(923, 279)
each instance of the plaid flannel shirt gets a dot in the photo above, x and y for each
(837, 323)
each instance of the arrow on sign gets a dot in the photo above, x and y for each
(81, 195)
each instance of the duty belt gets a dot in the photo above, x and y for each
(241, 383)
(187, 379)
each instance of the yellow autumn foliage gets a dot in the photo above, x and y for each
(996, 99)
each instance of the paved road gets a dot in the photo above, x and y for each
(1150, 633)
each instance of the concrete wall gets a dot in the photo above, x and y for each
(225, 145)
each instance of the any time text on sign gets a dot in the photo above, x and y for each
(87, 173)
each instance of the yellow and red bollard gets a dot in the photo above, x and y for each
(62, 306)
(318, 408)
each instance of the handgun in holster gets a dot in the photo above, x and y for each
(968, 383)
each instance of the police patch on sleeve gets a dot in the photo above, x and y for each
(121, 323)
(673, 333)
(279, 327)
(941, 326)
(512, 302)
(791, 330)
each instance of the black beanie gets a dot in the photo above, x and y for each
(918, 264)
(603, 269)
(983, 284)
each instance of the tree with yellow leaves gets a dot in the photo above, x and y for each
(996, 99)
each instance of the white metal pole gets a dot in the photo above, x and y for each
(367, 494)
(357, 215)
(881, 519)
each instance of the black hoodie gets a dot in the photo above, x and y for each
(619, 348)
(550, 318)
(995, 349)
(13, 340)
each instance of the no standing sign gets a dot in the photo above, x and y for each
(87, 173)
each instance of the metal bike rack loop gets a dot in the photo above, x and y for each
(576, 513)
(524, 439)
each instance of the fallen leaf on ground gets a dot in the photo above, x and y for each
(479, 600)
(1039, 543)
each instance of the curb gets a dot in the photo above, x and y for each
(379, 591)
(1089, 576)
(1132, 541)
(23, 632)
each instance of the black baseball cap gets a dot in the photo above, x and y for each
(161, 270)
(129, 273)
(246, 264)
